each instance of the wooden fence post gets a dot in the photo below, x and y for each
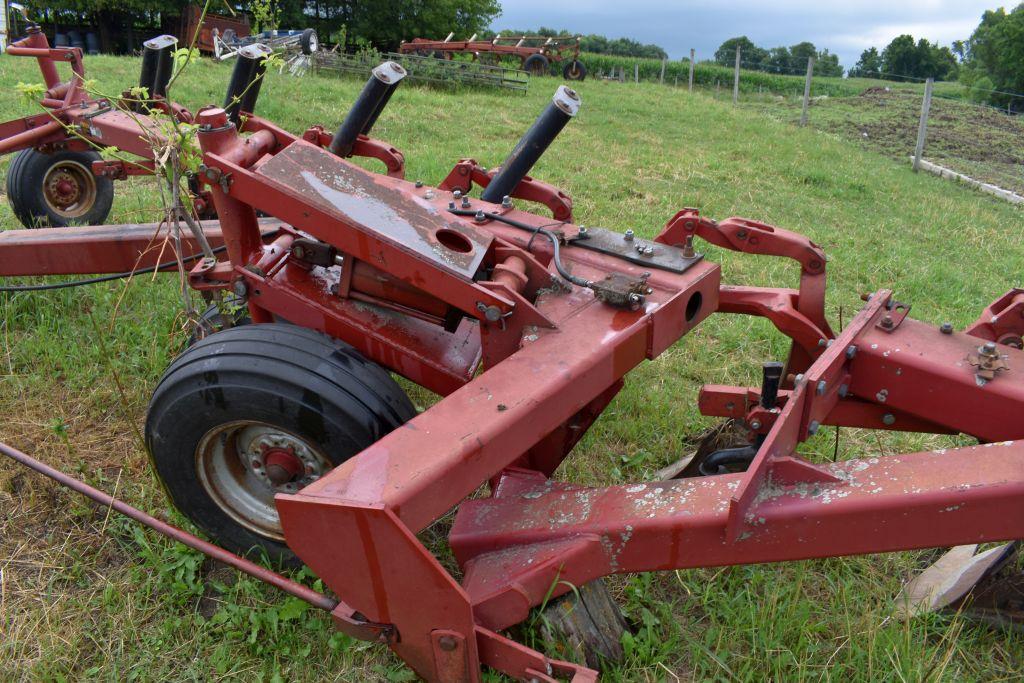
(807, 91)
(661, 78)
(922, 127)
(692, 53)
(736, 78)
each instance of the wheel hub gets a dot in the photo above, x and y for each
(282, 466)
(242, 465)
(69, 189)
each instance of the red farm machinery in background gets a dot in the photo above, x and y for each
(289, 434)
(535, 53)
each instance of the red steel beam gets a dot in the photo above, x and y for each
(919, 500)
(101, 248)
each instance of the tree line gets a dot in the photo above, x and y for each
(784, 60)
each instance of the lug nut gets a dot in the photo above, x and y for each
(628, 236)
(457, 193)
(465, 202)
(888, 419)
(419, 183)
(480, 217)
(506, 202)
(946, 328)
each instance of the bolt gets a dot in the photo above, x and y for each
(506, 202)
(240, 288)
(798, 379)
(843, 390)
(635, 301)
(628, 236)
(451, 206)
(888, 419)
(446, 643)
(851, 351)
(820, 389)
(887, 322)
(946, 328)
(465, 202)
(649, 251)
(457, 193)
(813, 428)
(755, 424)
(688, 251)
(989, 349)
(480, 217)
(583, 231)
(419, 183)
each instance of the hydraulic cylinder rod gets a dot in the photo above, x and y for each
(246, 79)
(529, 149)
(157, 63)
(367, 107)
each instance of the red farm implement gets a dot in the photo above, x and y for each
(292, 436)
(535, 53)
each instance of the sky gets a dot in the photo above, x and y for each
(845, 28)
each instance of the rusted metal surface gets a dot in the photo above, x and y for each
(354, 196)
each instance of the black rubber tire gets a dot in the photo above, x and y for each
(536, 65)
(317, 388)
(574, 71)
(308, 42)
(25, 177)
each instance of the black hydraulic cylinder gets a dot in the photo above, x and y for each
(532, 145)
(771, 377)
(246, 79)
(364, 112)
(157, 62)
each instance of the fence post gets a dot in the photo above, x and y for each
(736, 78)
(922, 128)
(692, 53)
(636, 72)
(807, 91)
(677, 81)
(661, 78)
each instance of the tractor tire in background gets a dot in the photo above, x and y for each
(308, 42)
(58, 190)
(257, 410)
(574, 71)
(536, 65)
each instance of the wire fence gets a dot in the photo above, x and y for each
(975, 142)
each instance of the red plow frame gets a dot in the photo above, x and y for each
(527, 329)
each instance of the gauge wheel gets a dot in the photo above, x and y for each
(574, 71)
(257, 410)
(309, 42)
(536, 64)
(58, 190)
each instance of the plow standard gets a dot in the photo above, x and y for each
(288, 433)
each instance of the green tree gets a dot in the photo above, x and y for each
(869, 65)
(753, 57)
(994, 58)
(904, 58)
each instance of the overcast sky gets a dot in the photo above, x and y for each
(845, 28)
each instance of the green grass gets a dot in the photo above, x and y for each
(85, 594)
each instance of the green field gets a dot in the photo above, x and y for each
(84, 594)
